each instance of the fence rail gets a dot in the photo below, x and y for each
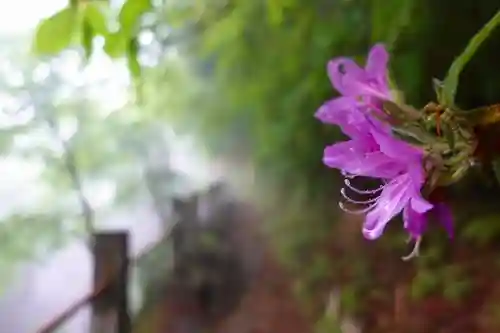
(109, 294)
(108, 298)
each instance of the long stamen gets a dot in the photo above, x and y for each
(355, 212)
(347, 175)
(359, 202)
(348, 184)
(415, 252)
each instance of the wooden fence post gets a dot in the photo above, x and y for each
(110, 308)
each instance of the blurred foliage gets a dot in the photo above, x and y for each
(247, 76)
(93, 160)
(328, 324)
(80, 22)
(260, 84)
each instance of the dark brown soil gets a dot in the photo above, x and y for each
(267, 305)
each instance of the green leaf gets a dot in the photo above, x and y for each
(438, 88)
(87, 39)
(55, 33)
(132, 58)
(275, 10)
(96, 18)
(450, 83)
(115, 44)
(449, 134)
(130, 13)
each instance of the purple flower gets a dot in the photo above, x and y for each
(362, 91)
(416, 223)
(399, 166)
(351, 80)
(374, 152)
(396, 163)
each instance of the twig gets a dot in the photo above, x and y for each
(87, 211)
(70, 165)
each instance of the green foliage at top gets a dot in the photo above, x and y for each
(77, 145)
(250, 75)
(260, 84)
(81, 21)
(252, 89)
(264, 81)
(62, 25)
(450, 83)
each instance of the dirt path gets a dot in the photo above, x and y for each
(266, 306)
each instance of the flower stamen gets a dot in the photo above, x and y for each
(415, 252)
(347, 175)
(356, 212)
(371, 203)
(358, 202)
(347, 183)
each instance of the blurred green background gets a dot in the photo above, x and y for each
(245, 78)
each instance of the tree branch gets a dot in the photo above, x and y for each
(72, 170)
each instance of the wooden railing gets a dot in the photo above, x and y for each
(108, 298)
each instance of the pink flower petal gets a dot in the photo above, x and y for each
(414, 222)
(345, 155)
(363, 87)
(341, 68)
(419, 204)
(376, 64)
(395, 148)
(336, 111)
(445, 217)
(392, 200)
